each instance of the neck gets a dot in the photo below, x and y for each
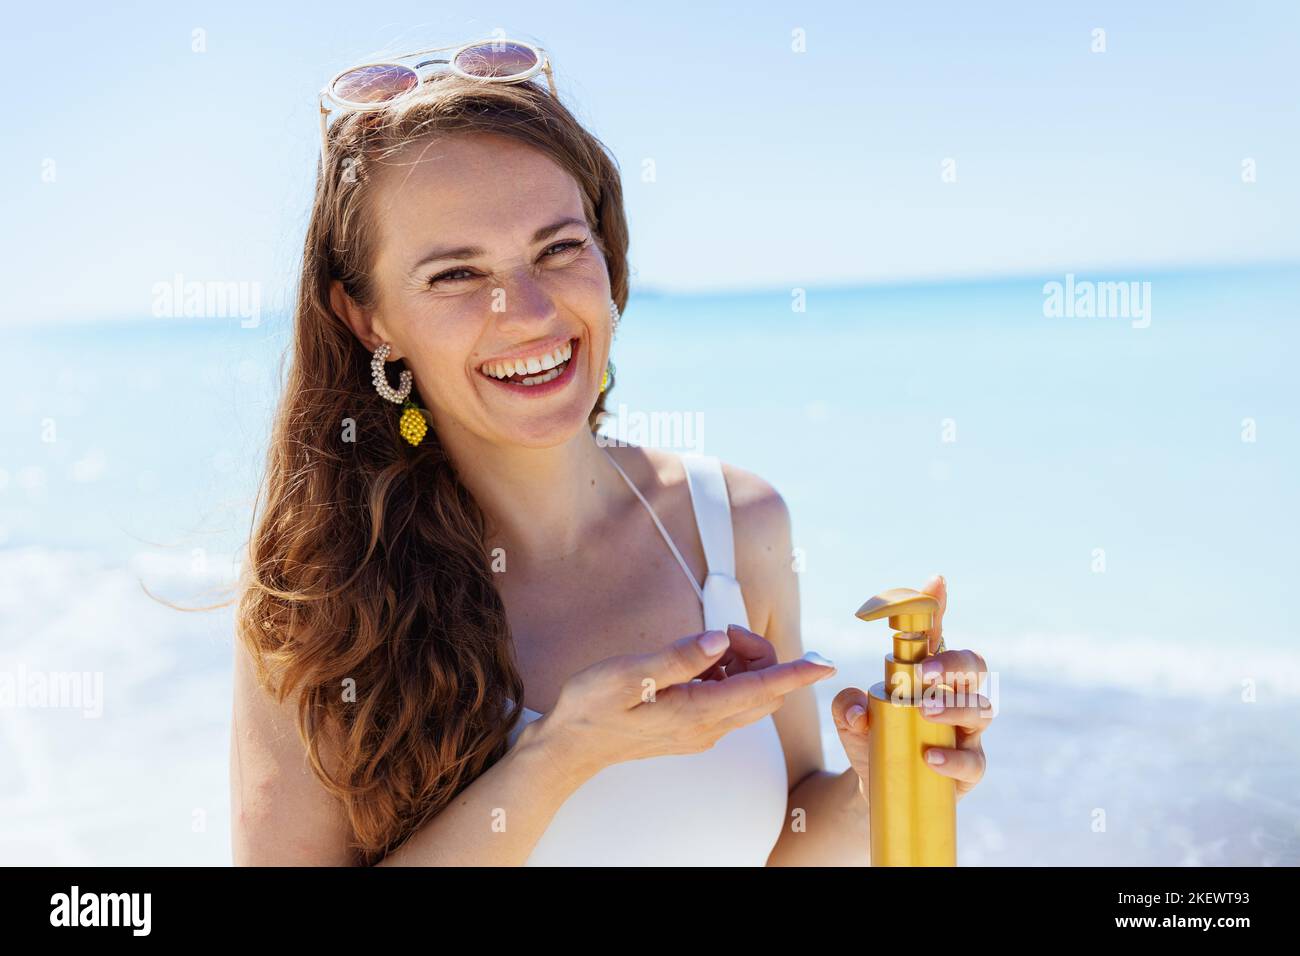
(540, 503)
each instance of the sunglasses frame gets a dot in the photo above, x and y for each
(543, 65)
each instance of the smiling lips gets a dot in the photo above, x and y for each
(532, 370)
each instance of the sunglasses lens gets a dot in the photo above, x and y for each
(496, 59)
(375, 84)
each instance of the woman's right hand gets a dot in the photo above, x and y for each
(650, 705)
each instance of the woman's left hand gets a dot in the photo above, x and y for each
(965, 762)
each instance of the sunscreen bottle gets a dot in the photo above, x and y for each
(913, 807)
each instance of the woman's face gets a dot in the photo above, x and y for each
(485, 256)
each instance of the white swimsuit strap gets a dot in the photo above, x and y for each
(712, 511)
(690, 575)
(724, 601)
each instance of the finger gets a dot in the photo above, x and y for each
(748, 651)
(683, 660)
(715, 672)
(960, 669)
(746, 717)
(733, 660)
(853, 721)
(716, 700)
(845, 701)
(966, 766)
(938, 587)
(974, 718)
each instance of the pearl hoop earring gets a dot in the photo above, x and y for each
(380, 377)
(614, 316)
(411, 425)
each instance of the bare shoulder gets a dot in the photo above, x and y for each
(664, 467)
(760, 520)
(759, 515)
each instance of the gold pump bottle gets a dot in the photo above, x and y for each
(913, 807)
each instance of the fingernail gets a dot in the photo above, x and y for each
(818, 659)
(712, 642)
(934, 756)
(852, 714)
(931, 667)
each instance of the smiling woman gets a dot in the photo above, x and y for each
(325, 602)
(396, 597)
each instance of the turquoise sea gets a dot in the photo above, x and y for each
(1112, 500)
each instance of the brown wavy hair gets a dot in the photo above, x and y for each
(367, 567)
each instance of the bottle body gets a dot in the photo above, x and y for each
(913, 807)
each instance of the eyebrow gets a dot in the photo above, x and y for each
(470, 252)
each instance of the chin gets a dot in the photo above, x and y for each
(546, 430)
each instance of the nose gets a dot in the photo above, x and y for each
(524, 304)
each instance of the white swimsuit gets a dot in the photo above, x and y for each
(724, 806)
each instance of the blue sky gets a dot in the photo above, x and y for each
(774, 168)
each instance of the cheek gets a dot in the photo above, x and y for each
(592, 272)
(439, 354)
(584, 292)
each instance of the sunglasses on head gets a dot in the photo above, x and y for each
(375, 86)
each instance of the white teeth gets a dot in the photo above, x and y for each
(530, 365)
(542, 379)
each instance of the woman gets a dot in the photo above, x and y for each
(414, 570)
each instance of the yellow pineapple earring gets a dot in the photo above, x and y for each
(412, 424)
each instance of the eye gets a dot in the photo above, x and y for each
(448, 276)
(551, 251)
(567, 244)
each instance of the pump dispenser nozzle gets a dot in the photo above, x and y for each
(907, 610)
(913, 808)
